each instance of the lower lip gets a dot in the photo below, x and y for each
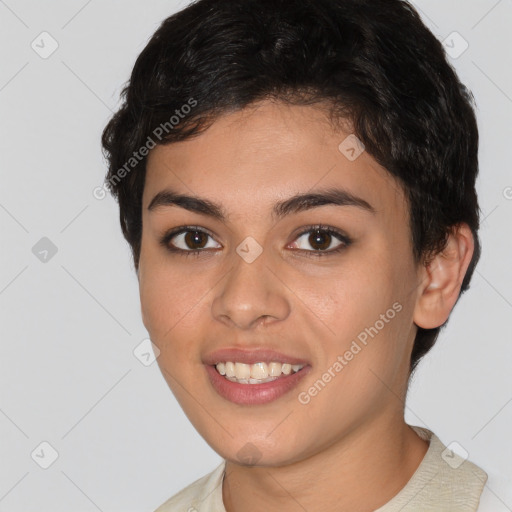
(253, 394)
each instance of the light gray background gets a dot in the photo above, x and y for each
(69, 326)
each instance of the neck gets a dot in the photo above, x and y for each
(360, 472)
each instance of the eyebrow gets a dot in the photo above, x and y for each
(295, 204)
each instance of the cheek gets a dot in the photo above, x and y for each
(366, 310)
(171, 305)
(168, 300)
(360, 292)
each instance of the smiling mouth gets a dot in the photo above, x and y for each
(258, 373)
(248, 390)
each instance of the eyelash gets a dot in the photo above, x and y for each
(346, 241)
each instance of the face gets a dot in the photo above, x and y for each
(327, 281)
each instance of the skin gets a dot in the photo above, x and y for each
(351, 437)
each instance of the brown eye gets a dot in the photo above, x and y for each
(189, 240)
(195, 239)
(321, 240)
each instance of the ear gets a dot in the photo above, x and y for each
(441, 279)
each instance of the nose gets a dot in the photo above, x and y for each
(251, 294)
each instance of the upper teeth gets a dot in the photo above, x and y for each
(257, 370)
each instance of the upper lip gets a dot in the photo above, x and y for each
(250, 356)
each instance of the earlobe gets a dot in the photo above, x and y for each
(441, 279)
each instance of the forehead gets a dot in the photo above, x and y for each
(265, 153)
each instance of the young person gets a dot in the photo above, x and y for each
(296, 180)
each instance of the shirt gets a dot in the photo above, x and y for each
(443, 482)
